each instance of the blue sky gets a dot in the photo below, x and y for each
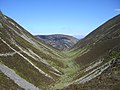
(72, 17)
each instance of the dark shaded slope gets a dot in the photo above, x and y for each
(101, 41)
(98, 55)
(99, 50)
(109, 29)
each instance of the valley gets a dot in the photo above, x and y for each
(27, 63)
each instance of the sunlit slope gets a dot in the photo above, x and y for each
(28, 57)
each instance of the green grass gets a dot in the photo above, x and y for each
(70, 72)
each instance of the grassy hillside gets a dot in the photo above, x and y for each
(28, 57)
(95, 54)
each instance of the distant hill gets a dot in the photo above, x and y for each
(59, 41)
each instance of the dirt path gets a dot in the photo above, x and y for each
(16, 78)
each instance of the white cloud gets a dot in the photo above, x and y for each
(118, 10)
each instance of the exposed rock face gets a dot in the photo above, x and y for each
(59, 41)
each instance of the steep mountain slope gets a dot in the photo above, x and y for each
(30, 59)
(27, 63)
(109, 29)
(59, 41)
(98, 55)
(101, 41)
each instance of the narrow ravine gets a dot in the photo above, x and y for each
(16, 78)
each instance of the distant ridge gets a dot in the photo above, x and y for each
(59, 41)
